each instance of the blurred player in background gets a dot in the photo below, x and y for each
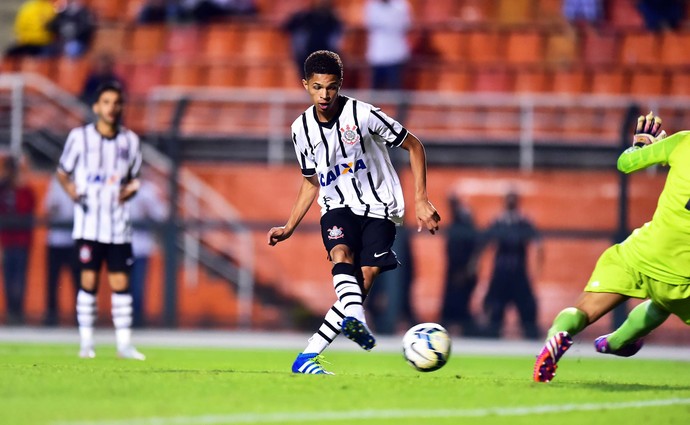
(653, 263)
(99, 170)
(342, 148)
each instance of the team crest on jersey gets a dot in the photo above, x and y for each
(336, 233)
(85, 254)
(349, 134)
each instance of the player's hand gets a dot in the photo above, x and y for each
(129, 190)
(427, 216)
(648, 130)
(278, 234)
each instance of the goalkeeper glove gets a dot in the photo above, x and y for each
(648, 130)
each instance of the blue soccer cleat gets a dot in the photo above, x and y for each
(601, 344)
(358, 332)
(309, 363)
(555, 347)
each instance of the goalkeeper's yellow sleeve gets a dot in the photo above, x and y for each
(636, 158)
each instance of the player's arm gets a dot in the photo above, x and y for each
(67, 184)
(427, 216)
(637, 158)
(305, 197)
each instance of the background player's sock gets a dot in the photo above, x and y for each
(122, 319)
(348, 290)
(642, 320)
(86, 317)
(329, 329)
(570, 320)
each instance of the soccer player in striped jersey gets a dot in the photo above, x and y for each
(99, 170)
(653, 263)
(342, 146)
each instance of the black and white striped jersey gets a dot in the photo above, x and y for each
(350, 157)
(99, 167)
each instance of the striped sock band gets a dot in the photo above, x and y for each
(348, 291)
(122, 318)
(86, 317)
(328, 331)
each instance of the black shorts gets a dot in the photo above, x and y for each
(370, 239)
(118, 257)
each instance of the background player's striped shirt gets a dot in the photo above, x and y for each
(350, 157)
(100, 167)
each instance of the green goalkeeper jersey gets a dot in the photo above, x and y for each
(661, 247)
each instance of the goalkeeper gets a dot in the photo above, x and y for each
(653, 263)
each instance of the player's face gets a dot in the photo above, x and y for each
(108, 108)
(323, 90)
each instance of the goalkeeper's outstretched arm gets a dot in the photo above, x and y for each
(637, 158)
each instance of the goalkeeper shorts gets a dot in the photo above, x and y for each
(613, 275)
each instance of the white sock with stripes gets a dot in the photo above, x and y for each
(348, 290)
(86, 317)
(122, 319)
(328, 331)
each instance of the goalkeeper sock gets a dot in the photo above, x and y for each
(348, 290)
(86, 317)
(641, 321)
(570, 320)
(328, 331)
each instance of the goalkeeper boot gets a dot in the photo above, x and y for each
(358, 332)
(310, 364)
(130, 353)
(546, 364)
(601, 344)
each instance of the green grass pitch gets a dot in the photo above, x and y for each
(48, 384)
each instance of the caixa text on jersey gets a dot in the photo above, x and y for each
(340, 169)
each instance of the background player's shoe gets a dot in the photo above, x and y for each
(601, 344)
(87, 353)
(555, 347)
(358, 332)
(130, 353)
(309, 363)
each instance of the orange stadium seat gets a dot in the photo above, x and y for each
(679, 84)
(279, 11)
(561, 48)
(108, 10)
(41, 66)
(71, 74)
(147, 42)
(433, 12)
(143, 76)
(532, 81)
(650, 83)
(674, 49)
(8, 64)
(493, 80)
(264, 75)
(186, 73)
(524, 48)
(223, 42)
(225, 75)
(475, 11)
(447, 44)
(515, 12)
(184, 42)
(569, 81)
(453, 79)
(599, 48)
(549, 12)
(354, 44)
(484, 47)
(109, 38)
(264, 42)
(608, 82)
(623, 14)
(640, 48)
(351, 11)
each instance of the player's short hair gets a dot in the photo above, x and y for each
(113, 86)
(323, 62)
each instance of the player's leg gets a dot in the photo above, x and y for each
(90, 258)
(119, 258)
(626, 341)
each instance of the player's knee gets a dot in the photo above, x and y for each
(342, 254)
(118, 282)
(87, 280)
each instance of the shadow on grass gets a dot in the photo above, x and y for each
(632, 387)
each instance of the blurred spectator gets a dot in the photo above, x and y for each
(147, 210)
(74, 27)
(102, 71)
(205, 11)
(59, 209)
(312, 29)
(33, 36)
(660, 14)
(159, 12)
(17, 205)
(461, 268)
(582, 11)
(387, 23)
(389, 300)
(513, 235)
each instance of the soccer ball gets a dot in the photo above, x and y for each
(426, 346)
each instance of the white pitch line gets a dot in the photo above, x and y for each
(282, 417)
